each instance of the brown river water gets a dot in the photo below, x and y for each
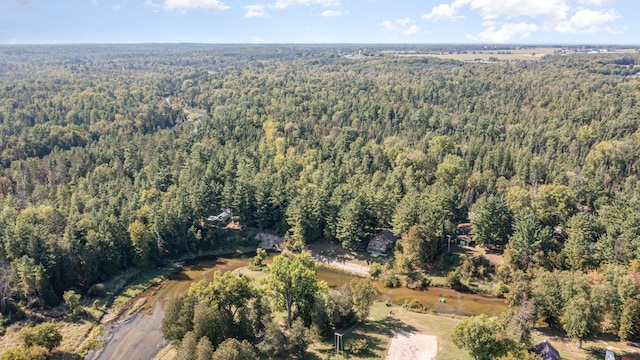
(140, 337)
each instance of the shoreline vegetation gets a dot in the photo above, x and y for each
(438, 324)
(139, 285)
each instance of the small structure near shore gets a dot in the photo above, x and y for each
(381, 244)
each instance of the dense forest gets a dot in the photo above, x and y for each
(114, 155)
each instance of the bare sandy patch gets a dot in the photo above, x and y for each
(342, 265)
(334, 256)
(409, 346)
(493, 257)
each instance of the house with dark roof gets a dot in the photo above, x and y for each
(381, 244)
(463, 234)
(546, 351)
(463, 229)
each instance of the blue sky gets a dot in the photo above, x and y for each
(320, 21)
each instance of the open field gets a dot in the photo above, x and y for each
(486, 55)
(78, 337)
(482, 56)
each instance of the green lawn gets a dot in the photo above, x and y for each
(591, 350)
(383, 322)
(140, 283)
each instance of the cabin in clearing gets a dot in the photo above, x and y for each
(381, 244)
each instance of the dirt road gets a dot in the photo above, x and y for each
(409, 346)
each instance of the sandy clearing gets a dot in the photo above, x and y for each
(332, 255)
(342, 265)
(409, 346)
(496, 259)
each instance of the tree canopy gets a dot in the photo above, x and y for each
(114, 156)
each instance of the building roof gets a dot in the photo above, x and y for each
(381, 243)
(546, 351)
(463, 229)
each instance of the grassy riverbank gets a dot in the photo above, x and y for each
(81, 334)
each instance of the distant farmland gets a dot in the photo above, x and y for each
(527, 53)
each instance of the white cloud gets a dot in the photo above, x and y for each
(117, 7)
(593, 2)
(387, 25)
(443, 12)
(405, 21)
(257, 10)
(332, 13)
(411, 30)
(283, 4)
(586, 17)
(184, 5)
(212, 5)
(588, 20)
(155, 7)
(506, 33)
(257, 40)
(550, 9)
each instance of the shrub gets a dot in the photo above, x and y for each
(391, 281)
(414, 305)
(97, 290)
(72, 300)
(375, 270)
(418, 281)
(257, 261)
(32, 353)
(298, 340)
(454, 281)
(356, 347)
(45, 335)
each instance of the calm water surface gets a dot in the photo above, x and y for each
(456, 302)
(140, 337)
